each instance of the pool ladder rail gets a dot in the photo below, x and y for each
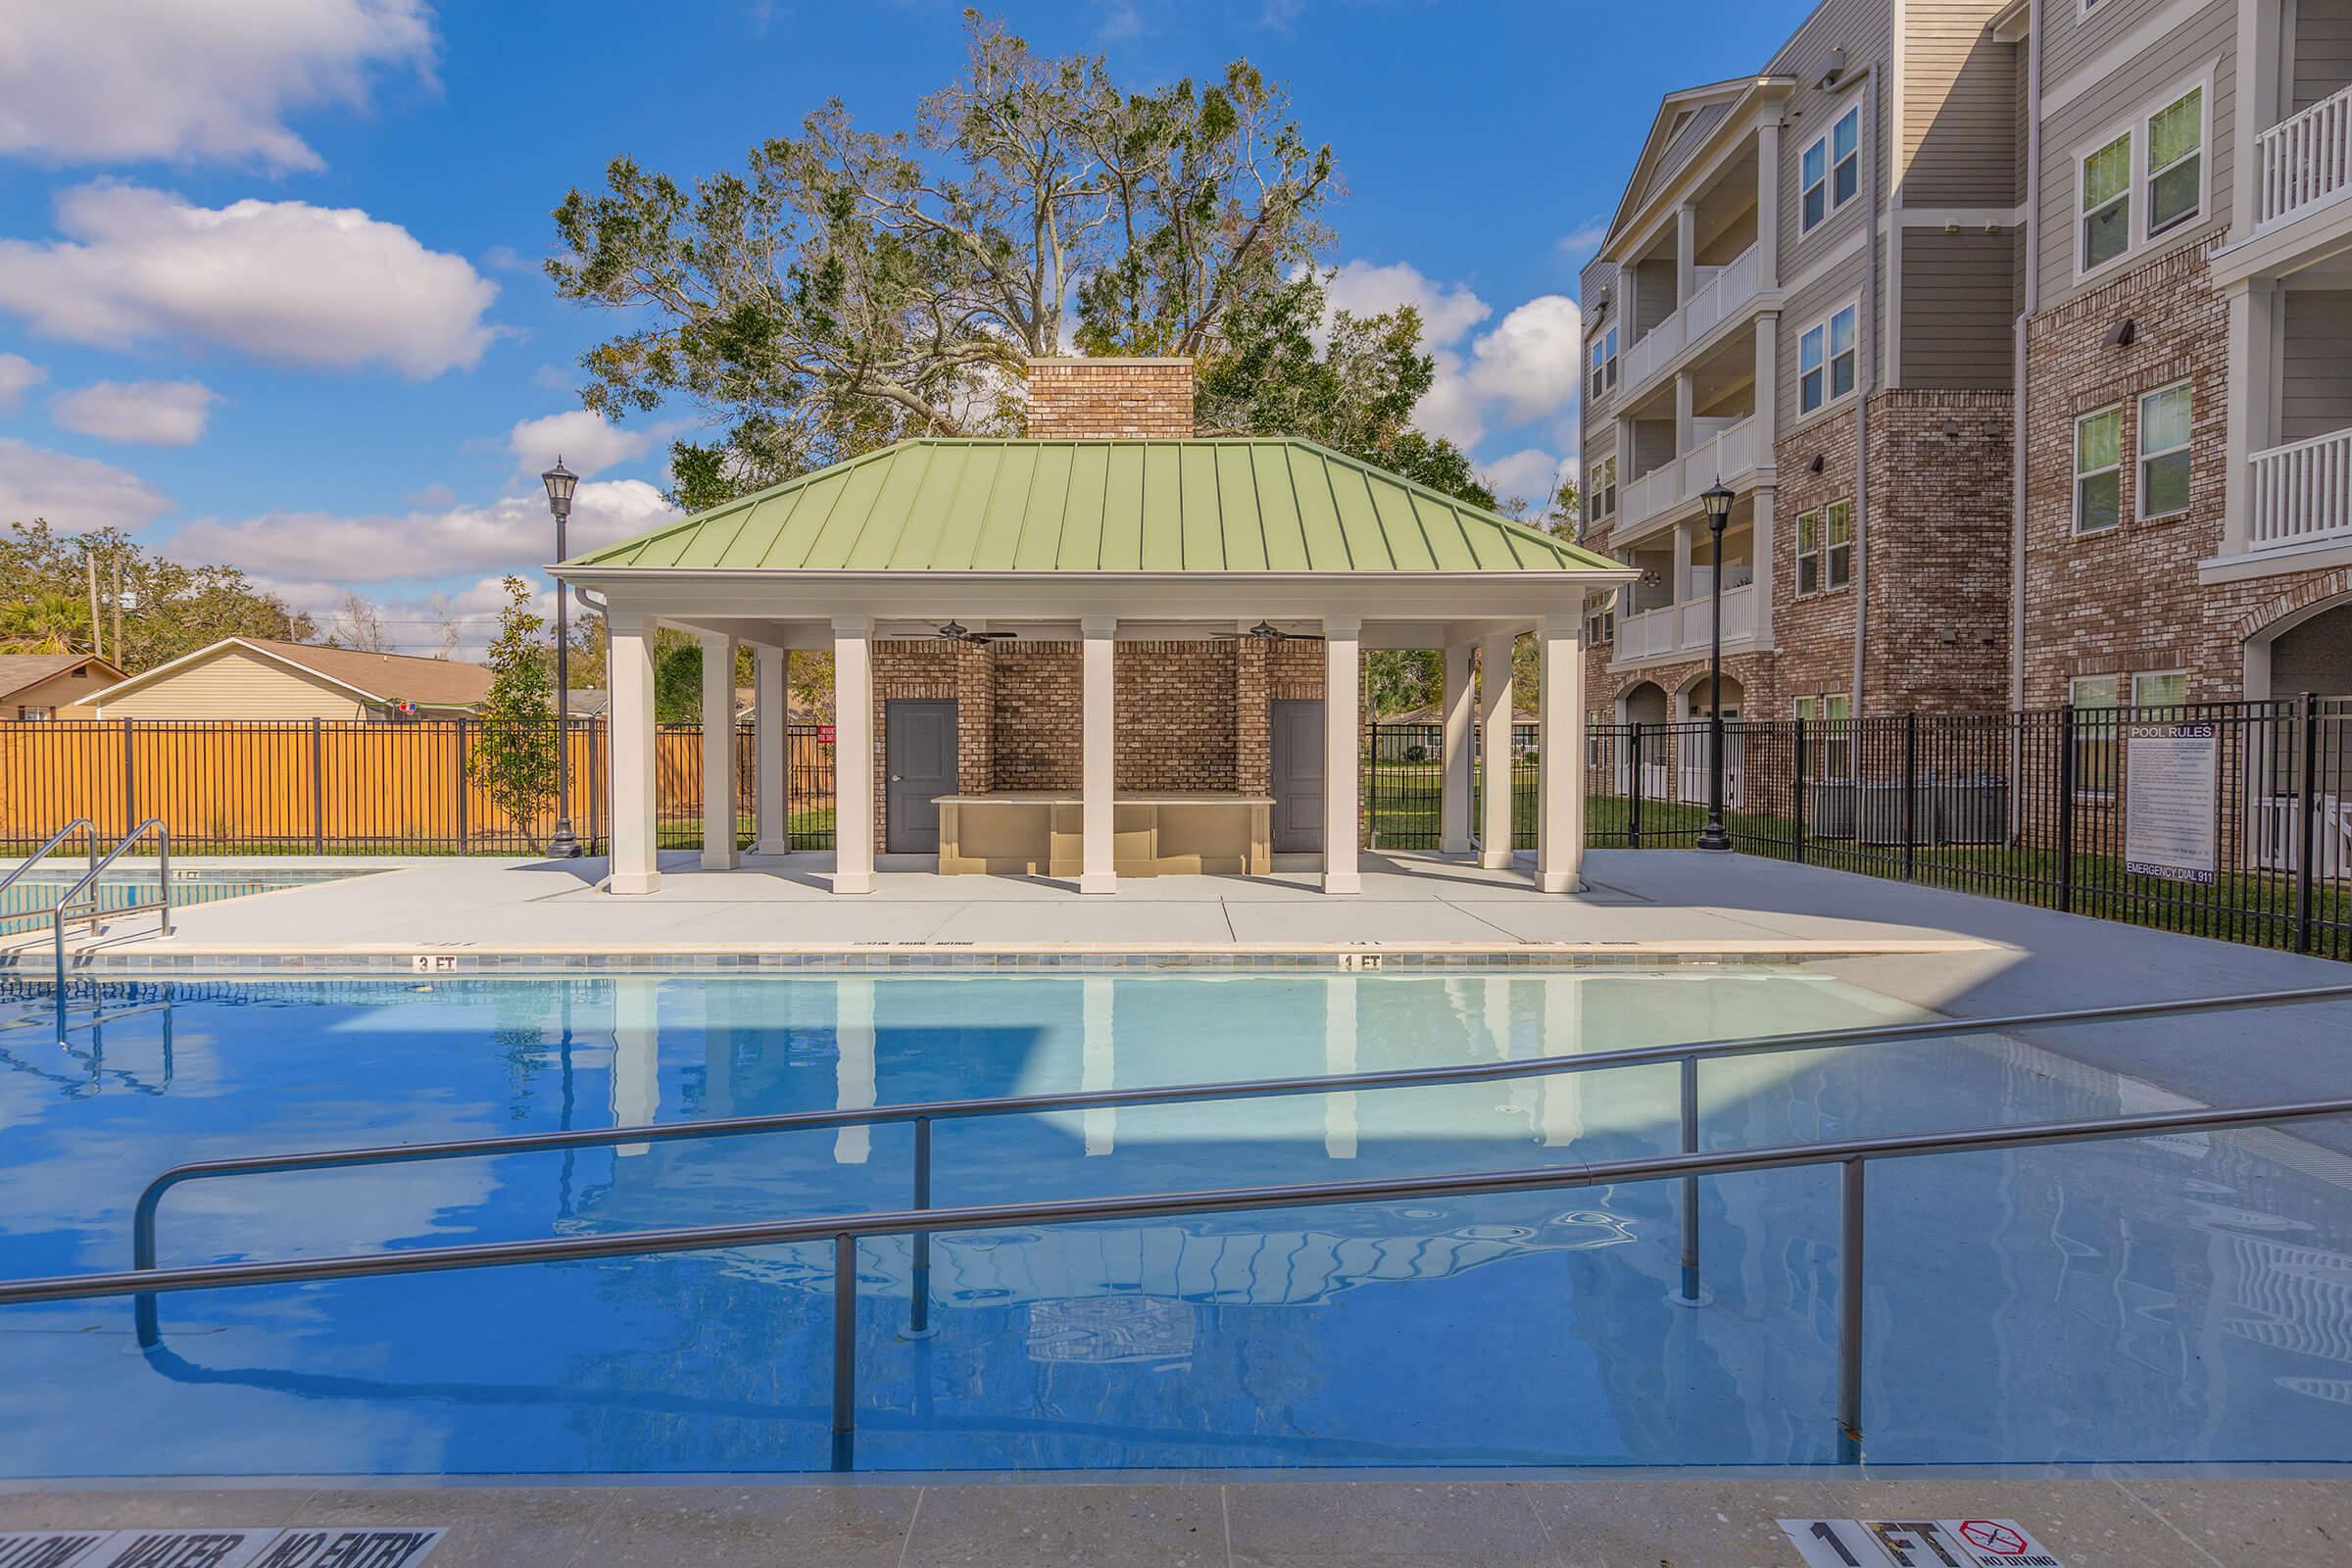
(83, 901)
(146, 1278)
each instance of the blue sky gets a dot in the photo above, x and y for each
(269, 280)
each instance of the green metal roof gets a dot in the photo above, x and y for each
(998, 505)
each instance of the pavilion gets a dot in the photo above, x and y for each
(1102, 651)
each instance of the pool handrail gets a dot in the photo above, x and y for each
(160, 907)
(89, 831)
(922, 1114)
(1852, 1155)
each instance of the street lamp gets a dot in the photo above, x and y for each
(560, 482)
(1718, 502)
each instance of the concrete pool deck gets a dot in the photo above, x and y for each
(2300, 1521)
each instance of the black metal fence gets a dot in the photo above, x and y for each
(1404, 782)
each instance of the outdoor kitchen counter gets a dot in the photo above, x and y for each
(1154, 833)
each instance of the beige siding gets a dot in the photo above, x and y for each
(1959, 310)
(233, 684)
(1960, 119)
(2323, 49)
(2314, 369)
(2120, 101)
(2069, 41)
(1596, 414)
(55, 692)
(1694, 129)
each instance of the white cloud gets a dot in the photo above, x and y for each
(413, 624)
(511, 534)
(156, 414)
(588, 443)
(167, 79)
(74, 493)
(16, 376)
(1522, 368)
(1531, 476)
(1448, 310)
(1583, 240)
(283, 281)
(1527, 364)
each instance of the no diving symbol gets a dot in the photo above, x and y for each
(1986, 1535)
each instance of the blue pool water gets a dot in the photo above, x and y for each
(25, 903)
(2179, 1300)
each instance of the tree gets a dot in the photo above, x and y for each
(850, 287)
(359, 623)
(514, 757)
(44, 601)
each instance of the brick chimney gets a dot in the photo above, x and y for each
(1126, 398)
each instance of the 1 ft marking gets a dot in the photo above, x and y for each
(1917, 1543)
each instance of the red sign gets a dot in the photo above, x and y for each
(1989, 1535)
(824, 734)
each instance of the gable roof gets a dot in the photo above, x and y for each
(1686, 118)
(1152, 508)
(369, 677)
(20, 670)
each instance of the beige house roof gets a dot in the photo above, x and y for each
(18, 671)
(384, 679)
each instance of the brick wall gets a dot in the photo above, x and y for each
(1942, 507)
(929, 668)
(1126, 398)
(1174, 706)
(1040, 715)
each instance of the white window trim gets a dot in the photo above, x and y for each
(1604, 368)
(2074, 463)
(1829, 400)
(1820, 549)
(2140, 675)
(1831, 206)
(2084, 9)
(2135, 127)
(2140, 457)
(1593, 511)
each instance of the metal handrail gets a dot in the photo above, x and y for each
(924, 1113)
(89, 830)
(845, 1231)
(162, 892)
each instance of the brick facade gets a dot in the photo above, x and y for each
(1129, 399)
(2126, 600)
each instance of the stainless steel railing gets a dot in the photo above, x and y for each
(88, 830)
(74, 896)
(1852, 1155)
(922, 1115)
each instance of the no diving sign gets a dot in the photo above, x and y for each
(320, 1547)
(1917, 1543)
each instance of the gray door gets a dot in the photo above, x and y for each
(918, 747)
(1297, 778)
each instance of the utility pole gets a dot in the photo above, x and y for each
(116, 636)
(89, 559)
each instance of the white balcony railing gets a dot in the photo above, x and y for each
(1717, 296)
(1645, 635)
(1686, 628)
(1723, 449)
(2303, 160)
(2301, 493)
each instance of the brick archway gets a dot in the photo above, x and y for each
(2308, 594)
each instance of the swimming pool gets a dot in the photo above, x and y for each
(25, 903)
(2172, 1300)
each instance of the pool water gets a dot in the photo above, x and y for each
(25, 903)
(2172, 1300)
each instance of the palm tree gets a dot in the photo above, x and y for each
(45, 623)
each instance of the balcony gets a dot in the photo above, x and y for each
(2301, 162)
(2301, 493)
(1722, 449)
(1685, 628)
(1721, 292)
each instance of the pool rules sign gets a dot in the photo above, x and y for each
(1917, 1543)
(2172, 794)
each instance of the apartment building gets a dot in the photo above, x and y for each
(2024, 391)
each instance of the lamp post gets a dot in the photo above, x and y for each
(560, 482)
(1718, 502)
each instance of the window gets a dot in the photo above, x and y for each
(1602, 503)
(2160, 689)
(1601, 623)
(2094, 697)
(1824, 548)
(1829, 734)
(34, 712)
(2176, 162)
(2106, 186)
(1826, 357)
(1605, 362)
(1830, 173)
(2164, 452)
(2098, 471)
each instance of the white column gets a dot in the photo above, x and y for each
(852, 756)
(2259, 102)
(1686, 538)
(1768, 205)
(1686, 254)
(1338, 1057)
(1494, 721)
(719, 753)
(1767, 418)
(1343, 746)
(852, 1066)
(1097, 870)
(1686, 419)
(1454, 789)
(771, 720)
(2253, 415)
(636, 1086)
(1560, 740)
(629, 674)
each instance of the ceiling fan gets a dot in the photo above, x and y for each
(955, 633)
(1265, 631)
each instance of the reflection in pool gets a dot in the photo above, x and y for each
(2179, 1298)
